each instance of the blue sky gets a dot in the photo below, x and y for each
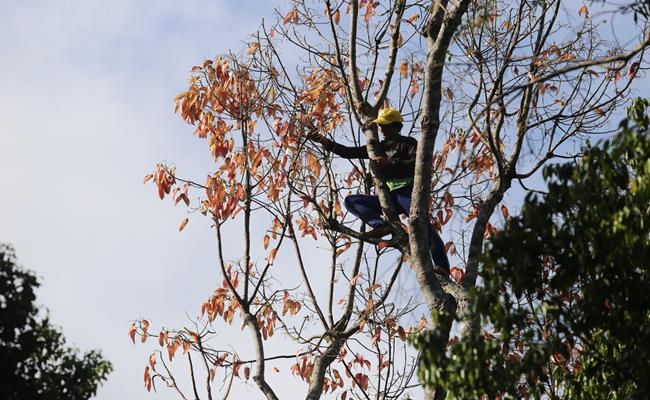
(86, 110)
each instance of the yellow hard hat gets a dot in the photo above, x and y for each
(388, 116)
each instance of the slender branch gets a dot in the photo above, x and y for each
(392, 57)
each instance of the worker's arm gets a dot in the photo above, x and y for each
(339, 149)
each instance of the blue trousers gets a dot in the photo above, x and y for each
(368, 209)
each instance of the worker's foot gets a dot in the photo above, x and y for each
(376, 233)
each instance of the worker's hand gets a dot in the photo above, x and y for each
(315, 136)
(373, 127)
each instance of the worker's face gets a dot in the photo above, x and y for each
(389, 130)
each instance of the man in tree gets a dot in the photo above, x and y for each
(397, 169)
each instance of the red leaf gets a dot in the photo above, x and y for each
(504, 211)
(132, 331)
(458, 274)
(633, 69)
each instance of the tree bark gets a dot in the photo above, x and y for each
(323, 361)
(258, 377)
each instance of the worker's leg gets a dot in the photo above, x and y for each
(368, 209)
(402, 200)
(437, 246)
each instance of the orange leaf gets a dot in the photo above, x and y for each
(147, 178)
(132, 331)
(253, 47)
(404, 69)
(413, 18)
(370, 306)
(583, 10)
(336, 17)
(183, 224)
(162, 338)
(171, 349)
(266, 241)
(271, 256)
(247, 373)
(291, 16)
(458, 274)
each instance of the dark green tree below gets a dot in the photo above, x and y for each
(35, 362)
(565, 300)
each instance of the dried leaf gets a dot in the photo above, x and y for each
(132, 331)
(404, 69)
(413, 18)
(292, 16)
(458, 274)
(370, 306)
(504, 212)
(450, 94)
(162, 338)
(617, 77)
(147, 178)
(633, 69)
(253, 47)
(336, 17)
(583, 10)
(183, 224)
(267, 239)
(271, 256)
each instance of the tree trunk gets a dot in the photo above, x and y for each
(321, 364)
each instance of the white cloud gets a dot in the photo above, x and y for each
(85, 112)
